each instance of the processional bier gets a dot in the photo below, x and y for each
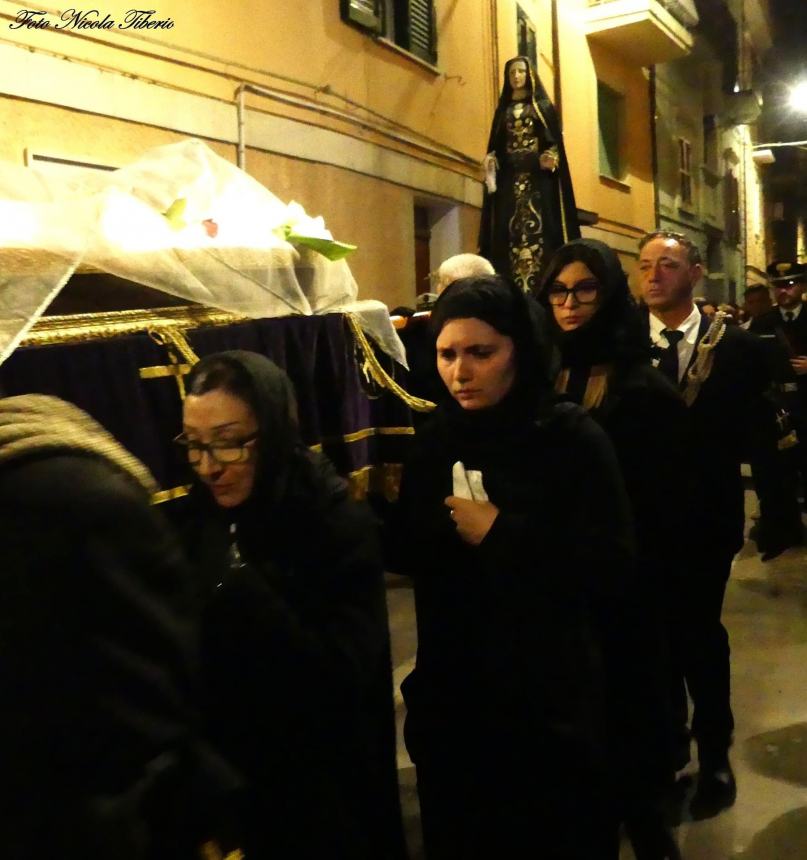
(126, 369)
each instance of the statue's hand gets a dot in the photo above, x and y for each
(549, 160)
(491, 165)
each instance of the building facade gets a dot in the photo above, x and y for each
(707, 107)
(372, 113)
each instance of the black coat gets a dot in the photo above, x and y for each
(97, 642)
(793, 334)
(782, 341)
(508, 625)
(297, 668)
(648, 424)
(734, 421)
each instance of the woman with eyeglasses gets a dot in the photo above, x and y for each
(295, 647)
(605, 367)
(513, 523)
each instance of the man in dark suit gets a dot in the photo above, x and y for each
(783, 329)
(723, 378)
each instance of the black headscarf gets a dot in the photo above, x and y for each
(291, 483)
(614, 335)
(268, 391)
(493, 300)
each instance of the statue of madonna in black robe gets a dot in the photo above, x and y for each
(529, 209)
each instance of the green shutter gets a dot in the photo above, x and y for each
(609, 110)
(422, 36)
(364, 13)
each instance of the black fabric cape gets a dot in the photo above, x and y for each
(558, 210)
(647, 422)
(295, 647)
(99, 749)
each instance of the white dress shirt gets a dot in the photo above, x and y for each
(794, 311)
(686, 346)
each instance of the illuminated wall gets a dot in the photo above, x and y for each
(352, 127)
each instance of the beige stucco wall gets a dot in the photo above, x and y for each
(304, 49)
(82, 136)
(417, 135)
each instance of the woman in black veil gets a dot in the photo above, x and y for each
(529, 209)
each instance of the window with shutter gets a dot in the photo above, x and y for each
(610, 109)
(527, 42)
(685, 171)
(410, 24)
(363, 13)
(421, 35)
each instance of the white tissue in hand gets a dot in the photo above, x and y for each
(468, 483)
(474, 477)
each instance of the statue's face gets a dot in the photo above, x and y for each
(517, 75)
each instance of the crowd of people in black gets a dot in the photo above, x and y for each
(220, 686)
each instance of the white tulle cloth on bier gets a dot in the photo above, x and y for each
(182, 220)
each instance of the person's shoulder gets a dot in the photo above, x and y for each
(75, 483)
(336, 503)
(765, 322)
(559, 414)
(645, 387)
(430, 439)
(567, 423)
(329, 482)
(577, 444)
(736, 340)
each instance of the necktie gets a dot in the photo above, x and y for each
(789, 316)
(668, 361)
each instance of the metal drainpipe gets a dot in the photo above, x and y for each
(654, 146)
(558, 89)
(743, 204)
(324, 110)
(240, 101)
(494, 32)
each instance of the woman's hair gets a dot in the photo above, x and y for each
(231, 372)
(615, 333)
(220, 374)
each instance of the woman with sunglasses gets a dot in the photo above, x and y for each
(513, 523)
(605, 367)
(295, 647)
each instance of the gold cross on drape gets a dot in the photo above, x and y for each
(178, 348)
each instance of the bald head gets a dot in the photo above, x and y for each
(461, 266)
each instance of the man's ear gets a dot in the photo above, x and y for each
(695, 272)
